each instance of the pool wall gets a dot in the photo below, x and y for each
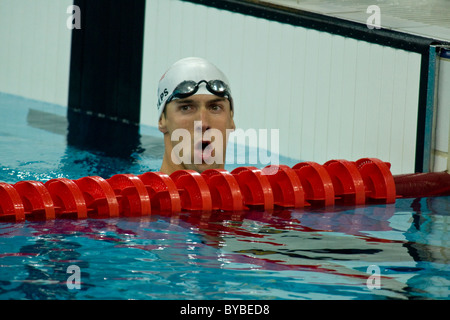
(441, 158)
(35, 49)
(333, 94)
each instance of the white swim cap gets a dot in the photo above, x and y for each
(194, 69)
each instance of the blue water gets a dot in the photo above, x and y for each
(286, 254)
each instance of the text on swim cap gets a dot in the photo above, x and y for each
(162, 96)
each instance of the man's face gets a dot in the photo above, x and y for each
(215, 115)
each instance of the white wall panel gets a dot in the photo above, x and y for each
(346, 108)
(441, 148)
(331, 97)
(298, 79)
(35, 49)
(408, 142)
(337, 74)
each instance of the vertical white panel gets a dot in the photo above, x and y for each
(4, 38)
(322, 126)
(347, 107)
(13, 40)
(385, 104)
(235, 67)
(297, 78)
(273, 99)
(201, 42)
(63, 48)
(277, 89)
(283, 101)
(215, 35)
(35, 49)
(400, 72)
(412, 97)
(50, 29)
(186, 40)
(361, 100)
(39, 45)
(309, 94)
(335, 105)
(169, 37)
(149, 64)
(443, 106)
(441, 156)
(253, 103)
(372, 104)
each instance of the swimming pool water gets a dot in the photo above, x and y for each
(283, 255)
(315, 253)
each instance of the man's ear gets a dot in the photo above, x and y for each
(162, 125)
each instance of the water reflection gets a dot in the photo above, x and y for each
(97, 145)
(327, 249)
(42, 274)
(109, 137)
(343, 242)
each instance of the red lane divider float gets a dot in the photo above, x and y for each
(255, 187)
(378, 181)
(194, 191)
(286, 186)
(132, 195)
(36, 199)
(67, 198)
(11, 206)
(307, 183)
(347, 181)
(163, 192)
(316, 182)
(225, 191)
(100, 198)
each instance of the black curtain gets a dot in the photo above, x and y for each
(105, 76)
(106, 59)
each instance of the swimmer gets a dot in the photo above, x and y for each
(195, 112)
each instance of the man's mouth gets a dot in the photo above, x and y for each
(205, 144)
(200, 148)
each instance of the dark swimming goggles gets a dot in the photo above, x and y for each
(189, 87)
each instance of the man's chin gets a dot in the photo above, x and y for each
(204, 166)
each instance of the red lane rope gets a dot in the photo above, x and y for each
(368, 180)
(418, 185)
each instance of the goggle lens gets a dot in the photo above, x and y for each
(190, 87)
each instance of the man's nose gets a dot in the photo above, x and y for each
(204, 118)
